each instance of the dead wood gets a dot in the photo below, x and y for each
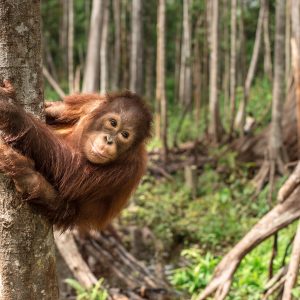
(68, 249)
(131, 274)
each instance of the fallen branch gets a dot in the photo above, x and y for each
(131, 274)
(68, 249)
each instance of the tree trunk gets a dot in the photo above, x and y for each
(288, 39)
(92, 66)
(160, 74)
(27, 260)
(214, 129)
(185, 84)
(136, 57)
(240, 117)
(63, 36)
(103, 49)
(117, 48)
(224, 62)
(149, 72)
(267, 44)
(276, 140)
(197, 76)
(295, 43)
(125, 41)
(71, 45)
(232, 64)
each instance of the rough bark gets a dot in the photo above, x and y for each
(104, 48)
(92, 66)
(185, 84)
(240, 117)
(232, 64)
(71, 45)
(214, 129)
(161, 74)
(27, 260)
(136, 55)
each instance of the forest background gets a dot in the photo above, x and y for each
(220, 77)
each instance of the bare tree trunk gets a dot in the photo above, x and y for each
(240, 117)
(27, 260)
(92, 66)
(295, 46)
(233, 37)
(288, 40)
(71, 45)
(267, 44)
(185, 83)
(136, 57)
(214, 129)
(160, 74)
(125, 42)
(197, 76)
(149, 72)
(277, 155)
(63, 36)
(224, 61)
(103, 49)
(117, 48)
(177, 62)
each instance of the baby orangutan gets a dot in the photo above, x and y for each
(83, 166)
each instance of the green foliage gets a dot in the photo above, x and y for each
(250, 279)
(97, 292)
(224, 200)
(196, 274)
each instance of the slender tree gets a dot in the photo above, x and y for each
(240, 117)
(214, 127)
(185, 83)
(125, 43)
(288, 39)
(63, 35)
(71, 45)
(267, 44)
(233, 37)
(276, 150)
(27, 254)
(104, 48)
(117, 45)
(160, 74)
(295, 43)
(136, 56)
(92, 66)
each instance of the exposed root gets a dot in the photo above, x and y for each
(279, 217)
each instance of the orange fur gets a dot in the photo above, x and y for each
(89, 195)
